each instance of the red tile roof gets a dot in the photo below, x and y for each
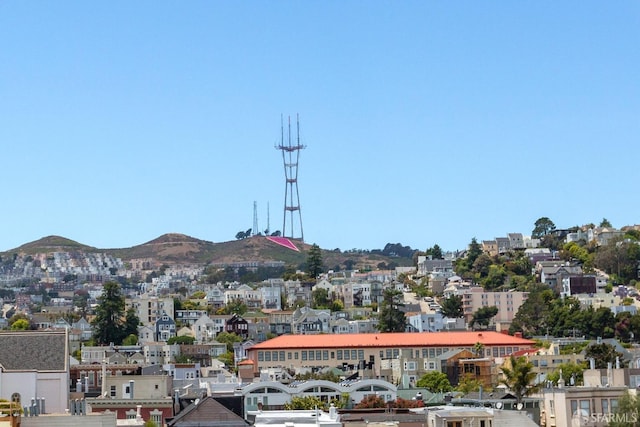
(421, 339)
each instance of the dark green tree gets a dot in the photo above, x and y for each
(181, 340)
(314, 262)
(603, 354)
(542, 227)
(320, 297)
(452, 306)
(519, 377)
(131, 322)
(483, 316)
(605, 223)
(475, 250)
(391, 318)
(108, 325)
(235, 306)
(435, 251)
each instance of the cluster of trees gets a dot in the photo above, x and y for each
(397, 250)
(499, 272)
(241, 274)
(544, 313)
(246, 234)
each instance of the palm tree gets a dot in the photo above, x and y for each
(478, 349)
(519, 377)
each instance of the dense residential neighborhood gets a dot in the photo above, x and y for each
(534, 330)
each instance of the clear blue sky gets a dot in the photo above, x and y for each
(425, 122)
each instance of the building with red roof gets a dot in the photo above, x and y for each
(371, 352)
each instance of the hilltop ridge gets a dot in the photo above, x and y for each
(177, 248)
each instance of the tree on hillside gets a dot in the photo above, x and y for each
(320, 298)
(452, 306)
(483, 316)
(131, 322)
(435, 251)
(603, 354)
(228, 338)
(391, 318)
(108, 325)
(605, 223)
(542, 227)
(314, 262)
(519, 377)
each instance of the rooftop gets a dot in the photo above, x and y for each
(422, 339)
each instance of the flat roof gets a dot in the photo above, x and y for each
(400, 339)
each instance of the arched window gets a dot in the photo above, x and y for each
(15, 398)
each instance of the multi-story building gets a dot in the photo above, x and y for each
(165, 328)
(508, 304)
(188, 317)
(150, 308)
(281, 321)
(320, 351)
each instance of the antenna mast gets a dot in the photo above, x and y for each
(290, 159)
(255, 230)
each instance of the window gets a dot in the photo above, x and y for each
(325, 355)
(585, 408)
(605, 406)
(282, 356)
(354, 354)
(318, 354)
(304, 355)
(112, 392)
(574, 407)
(409, 366)
(339, 354)
(614, 405)
(289, 355)
(156, 417)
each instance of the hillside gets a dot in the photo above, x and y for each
(175, 248)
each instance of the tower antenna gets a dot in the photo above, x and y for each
(290, 158)
(255, 219)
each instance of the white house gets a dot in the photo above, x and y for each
(35, 364)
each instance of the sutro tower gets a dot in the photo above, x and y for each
(290, 158)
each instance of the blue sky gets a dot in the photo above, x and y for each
(424, 122)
